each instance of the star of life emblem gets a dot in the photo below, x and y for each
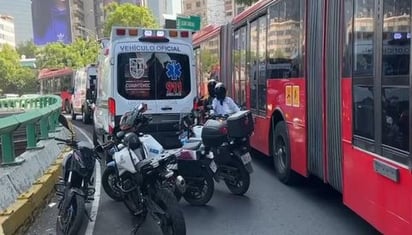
(136, 67)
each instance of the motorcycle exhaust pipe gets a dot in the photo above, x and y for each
(180, 184)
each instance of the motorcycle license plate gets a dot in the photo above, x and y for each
(213, 166)
(246, 158)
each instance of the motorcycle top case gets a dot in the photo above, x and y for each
(212, 135)
(240, 124)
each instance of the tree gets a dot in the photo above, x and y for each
(128, 14)
(27, 48)
(13, 77)
(246, 2)
(78, 54)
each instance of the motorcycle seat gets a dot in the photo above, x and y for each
(192, 145)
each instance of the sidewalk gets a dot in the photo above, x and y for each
(24, 189)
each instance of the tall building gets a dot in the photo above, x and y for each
(20, 11)
(212, 11)
(7, 30)
(83, 20)
(196, 7)
(164, 9)
(89, 19)
(99, 17)
(215, 12)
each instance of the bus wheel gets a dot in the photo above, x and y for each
(281, 155)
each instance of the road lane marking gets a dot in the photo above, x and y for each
(95, 204)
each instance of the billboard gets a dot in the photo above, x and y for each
(51, 21)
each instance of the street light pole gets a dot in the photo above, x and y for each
(90, 32)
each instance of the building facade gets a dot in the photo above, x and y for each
(212, 11)
(20, 11)
(7, 35)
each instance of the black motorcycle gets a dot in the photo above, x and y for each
(227, 138)
(75, 184)
(196, 167)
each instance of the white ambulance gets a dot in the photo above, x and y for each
(83, 93)
(154, 66)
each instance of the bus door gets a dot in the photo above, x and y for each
(258, 66)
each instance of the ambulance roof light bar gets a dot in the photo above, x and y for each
(151, 33)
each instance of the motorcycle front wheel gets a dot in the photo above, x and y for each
(242, 178)
(109, 184)
(70, 219)
(172, 222)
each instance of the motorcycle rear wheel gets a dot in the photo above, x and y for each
(241, 186)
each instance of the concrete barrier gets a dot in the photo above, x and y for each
(24, 188)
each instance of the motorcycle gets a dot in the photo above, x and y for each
(143, 181)
(196, 167)
(74, 186)
(151, 149)
(227, 139)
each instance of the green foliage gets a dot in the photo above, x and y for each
(13, 77)
(78, 54)
(128, 14)
(246, 2)
(27, 48)
(208, 61)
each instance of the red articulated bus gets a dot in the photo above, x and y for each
(57, 82)
(329, 84)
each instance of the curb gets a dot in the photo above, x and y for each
(18, 216)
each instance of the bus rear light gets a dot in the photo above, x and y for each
(133, 32)
(173, 34)
(112, 114)
(120, 32)
(184, 34)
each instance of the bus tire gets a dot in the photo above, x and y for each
(281, 155)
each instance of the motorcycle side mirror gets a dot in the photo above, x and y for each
(142, 107)
(63, 120)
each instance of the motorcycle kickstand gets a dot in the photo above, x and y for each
(88, 216)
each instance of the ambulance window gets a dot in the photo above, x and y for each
(149, 76)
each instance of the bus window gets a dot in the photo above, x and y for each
(396, 40)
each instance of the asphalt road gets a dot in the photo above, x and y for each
(269, 207)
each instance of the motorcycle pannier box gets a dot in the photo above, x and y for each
(212, 135)
(240, 124)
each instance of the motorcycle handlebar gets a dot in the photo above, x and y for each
(67, 141)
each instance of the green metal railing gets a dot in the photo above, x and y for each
(27, 112)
